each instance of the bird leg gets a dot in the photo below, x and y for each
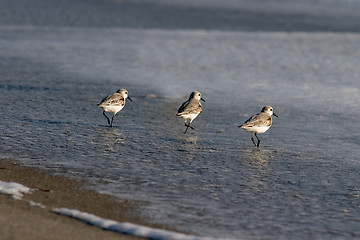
(112, 119)
(106, 117)
(188, 126)
(252, 138)
(258, 144)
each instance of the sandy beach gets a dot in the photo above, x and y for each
(20, 220)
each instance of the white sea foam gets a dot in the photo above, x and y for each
(35, 204)
(126, 228)
(15, 190)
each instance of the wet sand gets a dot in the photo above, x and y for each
(19, 220)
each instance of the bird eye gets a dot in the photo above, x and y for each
(270, 109)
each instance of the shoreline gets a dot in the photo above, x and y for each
(31, 217)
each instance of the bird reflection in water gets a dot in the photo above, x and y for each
(111, 138)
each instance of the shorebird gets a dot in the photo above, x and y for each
(113, 103)
(259, 123)
(190, 109)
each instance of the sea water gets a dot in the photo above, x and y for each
(303, 181)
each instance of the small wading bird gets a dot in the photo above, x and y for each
(259, 123)
(113, 103)
(190, 109)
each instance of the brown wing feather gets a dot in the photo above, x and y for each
(259, 119)
(190, 107)
(113, 100)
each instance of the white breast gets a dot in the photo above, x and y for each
(256, 129)
(191, 116)
(112, 109)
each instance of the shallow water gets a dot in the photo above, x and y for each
(302, 183)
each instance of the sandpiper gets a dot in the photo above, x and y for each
(259, 123)
(190, 109)
(113, 103)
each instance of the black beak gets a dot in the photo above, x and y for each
(202, 99)
(275, 115)
(129, 98)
